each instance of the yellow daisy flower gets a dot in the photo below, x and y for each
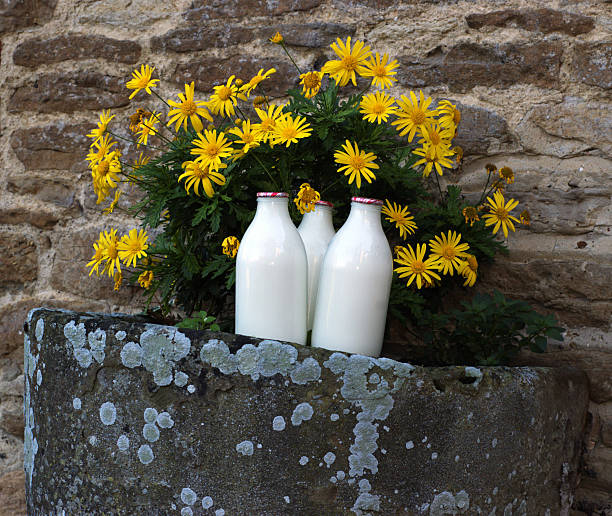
(145, 279)
(223, 100)
(118, 278)
(112, 205)
(306, 198)
(188, 109)
(376, 107)
(381, 72)
(277, 38)
(525, 217)
(448, 252)
(105, 173)
(449, 115)
(99, 149)
(197, 173)
(110, 253)
(490, 168)
(413, 265)
(435, 137)
(230, 246)
(402, 218)
(471, 215)
(499, 213)
(311, 83)
(351, 62)
(413, 114)
(431, 160)
(147, 127)
(254, 82)
(248, 136)
(356, 163)
(137, 117)
(133, 246)
(99, 131)
(507, 174)
(98, 256)
(468, 269)
(268, 121)
(211, 149)
(289, 130)
(259, 100)
(142, 80)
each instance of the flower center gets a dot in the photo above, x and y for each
(112, 251)
(357, 162)
(312, 81)
(267, 125)
(418, 267)
(418, 116)
(379, 71)
(143, 81)
(472, 263)
(289, 133)
(308, 195)
(103, 168)
(189, 108)
(434, 137)
(200, 172)
(449, 253)
(224, 93)
(502, 213)
(378, 108)
(349, 63)
(248, 138)
(212, 150)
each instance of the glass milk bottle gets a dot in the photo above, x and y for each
(271, 274)
(355, 284)
(316, 230)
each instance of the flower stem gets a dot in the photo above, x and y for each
(287, 52)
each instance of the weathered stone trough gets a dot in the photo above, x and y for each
(125, 417)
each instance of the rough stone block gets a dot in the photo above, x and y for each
(17, 14)
(37, 51)
(37, 216)
(534, 20)
(310, 35)
(59, 146)
(202, 10)
(18, 260)
(479, 129)
(52, 189)
(11, 452)
(185, 421)
(12, 493)
(196, 37)
(592, 63)
(467, 65)
(70, 92)
(134, 16)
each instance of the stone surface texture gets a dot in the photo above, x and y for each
(533, 80)
(122, 415)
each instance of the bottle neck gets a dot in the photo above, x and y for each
(366, 215)
(272, 208)
(321, 216)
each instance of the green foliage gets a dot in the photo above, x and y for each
(202, 321)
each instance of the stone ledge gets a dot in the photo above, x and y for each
(124, 417)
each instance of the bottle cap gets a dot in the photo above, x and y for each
(325, 203)
(365, 200)
(272, 194)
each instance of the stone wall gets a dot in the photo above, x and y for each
(534, 84)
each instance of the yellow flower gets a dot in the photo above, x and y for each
(525, 218)
(248, 136)
(402, 218)
(254, 82)
(259, 100)
(211, 149)
(471, 215)
(142, 80)
(377, 107)
(230, 246)
(468, 270)
(448, 252)
(499, 213)
(311, 83)
(277, 38)
(186, 109)
(99, 149)
(356, 163)
(105, 173)
(352, 61)
(436, 138)
(490, 167)
(118, 278)
(147, 127)
(450, 116)
(110, 253)
(381, 72)
(112, 205)
(431, 160)
(458, 153)
(507, 174)
(197, 173)
(137, 117)
(268, 121)
(98, 256)
(145, 279)
(97, 133)
(133, 246)
(223, 100)
(414, 266)
(306, 198)
(140, 161)
(289, 130)
(413, 114)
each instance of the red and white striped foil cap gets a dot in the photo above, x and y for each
(365, 200)
(272, 194)
(324, 203)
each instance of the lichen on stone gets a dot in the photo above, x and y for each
(145, 454)
(180, 379)
(123, 442)
(150, 415)
(76, 403)
(97, 343)
(162, 347)
(188, 496)
(245, 448)
(150, 432)
(303, 412)
(131, 355)
(308, 371)
(40, 330)
(164, 420)
(207, 502)
(278, 423)
(108, 413)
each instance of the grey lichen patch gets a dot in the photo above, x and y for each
(362, 450)
(164, 420)
(123, 442)
(78, 338)
(365, 501)
(303, 412)
(275, 358)
(329, 458)
(219, 512)
(473, 372)
(245, 448)
(150, 415)
(207, 502)
(188, 496)
(334, 417)
(97, 343)
(278, 423)
(40, 330)
(446, 503)
(308, 371)
(38, 377)
(186, 511)
(303, 460)
(180, 379)
(131, 355)
(120, 335)
(248, 361)
(145, 454)
(108, 413)
(93, 440)
(162, 347)
(76, 403)
(150, 432)
(191, 389)
(217, 354)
